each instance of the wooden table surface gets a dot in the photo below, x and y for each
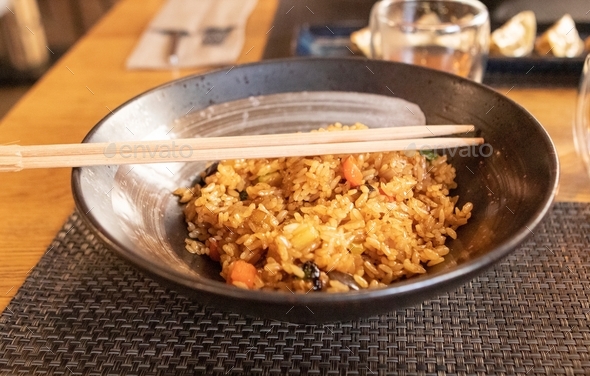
(90, 80)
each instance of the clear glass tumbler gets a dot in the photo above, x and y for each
(582, 119)
(449, 35)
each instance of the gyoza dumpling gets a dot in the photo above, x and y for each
(561, 39)
(516, 37)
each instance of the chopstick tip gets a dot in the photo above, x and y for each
(11, 159)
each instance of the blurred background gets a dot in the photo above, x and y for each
(53, 27)
(35, 33)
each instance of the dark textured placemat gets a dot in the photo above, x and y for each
(83, 311)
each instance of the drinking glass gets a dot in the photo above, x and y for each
(449, 35)
(582, 119)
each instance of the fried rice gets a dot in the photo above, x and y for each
(301, 223)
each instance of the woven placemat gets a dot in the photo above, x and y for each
(83, 311)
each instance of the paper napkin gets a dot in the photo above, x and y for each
(208, 33)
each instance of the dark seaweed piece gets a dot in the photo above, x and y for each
(371, 188)
(243, 195)
(211, 169)
(312, 272)
(317, 284)
(208, 172)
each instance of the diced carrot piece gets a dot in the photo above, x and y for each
(351, 172)
(244, 272)
(213, 250)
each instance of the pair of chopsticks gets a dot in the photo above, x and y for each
(16, 157)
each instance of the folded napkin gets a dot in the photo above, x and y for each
(207, 32)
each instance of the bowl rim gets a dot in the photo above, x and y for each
(414, 285)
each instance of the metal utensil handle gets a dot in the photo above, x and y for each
(173, 52)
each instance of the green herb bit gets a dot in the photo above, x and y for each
(429, 154)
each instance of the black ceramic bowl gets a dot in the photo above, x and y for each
(511, 182)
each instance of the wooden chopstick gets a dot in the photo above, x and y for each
(16, 157)
(206, 143)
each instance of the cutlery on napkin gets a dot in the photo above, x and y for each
(193, 33)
